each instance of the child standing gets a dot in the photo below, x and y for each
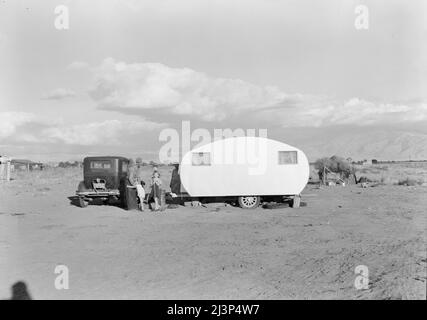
(156, 184)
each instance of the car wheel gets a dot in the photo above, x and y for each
(249, 202)
(82, 203)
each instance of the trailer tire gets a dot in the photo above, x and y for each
(249, 202)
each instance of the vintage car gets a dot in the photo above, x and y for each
(104, 179)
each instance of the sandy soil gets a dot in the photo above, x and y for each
(217, 251)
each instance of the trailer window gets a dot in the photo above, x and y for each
(201, 159)
(288, 157)
(100, 164)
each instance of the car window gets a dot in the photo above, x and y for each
(100, 164)
(124, 166)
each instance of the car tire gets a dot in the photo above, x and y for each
(82, 202)
(249, 202)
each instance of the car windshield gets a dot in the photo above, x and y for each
(100, 164)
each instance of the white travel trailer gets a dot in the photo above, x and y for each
(249, 169)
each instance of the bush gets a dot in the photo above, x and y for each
(409, 182)
(335, 164)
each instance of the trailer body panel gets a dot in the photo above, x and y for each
(244, 166)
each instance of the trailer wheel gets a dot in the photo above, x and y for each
(249, 202)
(82, 203)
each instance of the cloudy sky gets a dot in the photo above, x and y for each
(125, 70)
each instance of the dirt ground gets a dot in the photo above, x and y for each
(217, 251)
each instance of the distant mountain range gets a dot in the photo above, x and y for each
(381, 145)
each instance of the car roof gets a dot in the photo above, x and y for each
(105, 158)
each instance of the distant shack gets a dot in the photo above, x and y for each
(25, 165)
(5, 168)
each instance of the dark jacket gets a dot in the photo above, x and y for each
(175, 182)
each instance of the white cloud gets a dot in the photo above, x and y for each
(28, 127)
(78, 65)
(169, 92)
(11, 121)
(59, 94)
(180, 91)
(108, 132)
(315, 112)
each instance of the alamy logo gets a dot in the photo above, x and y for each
(62, 278)
(362, 280)
(362, 18)
(251, 153)
(62, 19)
